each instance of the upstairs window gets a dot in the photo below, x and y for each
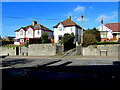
(38, 32)
(29, 32)
(21, 32)
(60, 28)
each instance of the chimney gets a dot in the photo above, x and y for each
(69, 17)
(34, 23)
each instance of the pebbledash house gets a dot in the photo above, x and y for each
(66, 26)
(32, 33)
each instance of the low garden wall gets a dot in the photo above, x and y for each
(42, 50)
(96, 50)
(6, 51)
(49, 50)
(33, 50)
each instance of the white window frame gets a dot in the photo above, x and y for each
(60, 28)
(21, 32)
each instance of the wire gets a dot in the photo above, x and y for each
(14, 17)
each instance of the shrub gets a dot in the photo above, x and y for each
(107, 42)
(7, 42)
(68, 40)
(44, 37)
(89, 38)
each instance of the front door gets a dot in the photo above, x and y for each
(114, 36)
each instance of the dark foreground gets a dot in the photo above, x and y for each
(61, 77)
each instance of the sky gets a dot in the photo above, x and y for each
(60, 0)
(20, 14)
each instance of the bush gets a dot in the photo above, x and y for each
(108, 42)
(89, 38)
(44, 37)
(68, 40)
(96, 33)
(7, 42)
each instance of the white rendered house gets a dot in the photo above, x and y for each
(32, 33)
(110, 32)
(66, 26)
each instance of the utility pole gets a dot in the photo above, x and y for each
(104, 33)
(82, 18)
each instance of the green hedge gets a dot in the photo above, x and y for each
(104, 43)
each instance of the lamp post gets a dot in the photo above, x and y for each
(82, 18)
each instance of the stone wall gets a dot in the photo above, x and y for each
(49, 50)
(34, 50)
(41, 50)
(6, 51)
(59, 49)
(94, 50)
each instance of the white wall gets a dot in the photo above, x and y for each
(36, 33)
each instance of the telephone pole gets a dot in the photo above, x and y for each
(82, 18)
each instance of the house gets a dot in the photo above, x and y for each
(32, 33)
(110, 32)
(66, 26)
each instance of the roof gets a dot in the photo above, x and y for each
(66, 23)
(36, 27)
(115, 27)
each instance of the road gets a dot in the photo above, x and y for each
(26, 70)
(31, 61)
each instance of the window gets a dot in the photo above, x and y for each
(60, 28)
(29, 32)
(60, 37)
(21, 32)
(16, 40)
(38, 32)
(21, 40)
(104, 34)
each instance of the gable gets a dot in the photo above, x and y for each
(113, 26)
(103, 28)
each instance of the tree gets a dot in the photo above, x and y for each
(89, 38)
(68, 40)
(26, 43)
(44, 37)
(97, 34)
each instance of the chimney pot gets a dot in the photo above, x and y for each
(69, 17)
(34, 23)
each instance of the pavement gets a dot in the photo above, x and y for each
(57, 60)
